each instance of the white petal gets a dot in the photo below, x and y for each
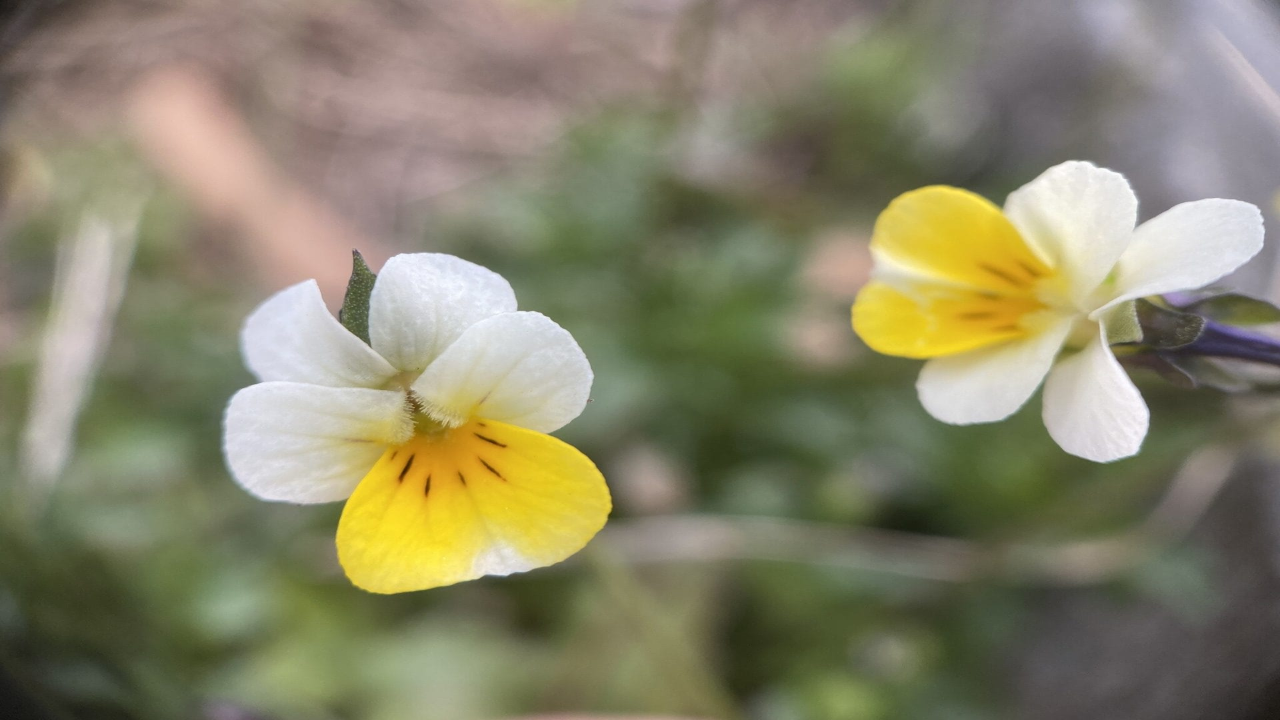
(1189, 246)
(309, 444)
(989, 384)
(1092, 408)
(293, 336)
(1079, 217)
(422, 302)
(519, 368)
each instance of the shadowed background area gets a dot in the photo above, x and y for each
(688, 186)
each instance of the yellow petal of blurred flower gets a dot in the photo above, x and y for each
(999, 301)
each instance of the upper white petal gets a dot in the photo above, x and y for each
(992, 383)
(1188, 246)
(422, 302)
(309, 444)
(293, 336)
(519, 368)
(1092, 408)
(1080, 218)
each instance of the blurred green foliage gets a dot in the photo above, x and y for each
(154, 588)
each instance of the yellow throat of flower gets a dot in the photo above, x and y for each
(953, 275)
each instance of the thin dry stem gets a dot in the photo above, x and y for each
(701, 538)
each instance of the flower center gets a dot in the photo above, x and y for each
(431, 420)
(425, 426)
(1017, 301)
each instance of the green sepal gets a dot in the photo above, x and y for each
(1164, 328)
(1235, 309)
(1210, 373)
(1122, 325)
(1189, 372)
(1172, 370)
(354, 314)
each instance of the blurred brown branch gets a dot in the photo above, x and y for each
(195, 138)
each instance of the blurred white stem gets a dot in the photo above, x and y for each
(708, 538)
(701, 538)
(89, 279)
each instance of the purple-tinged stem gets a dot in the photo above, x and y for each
(1226, 341)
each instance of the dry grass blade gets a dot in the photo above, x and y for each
(91, 273)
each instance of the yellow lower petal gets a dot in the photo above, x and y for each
(958, 236)
(485, 498)
(933, 321)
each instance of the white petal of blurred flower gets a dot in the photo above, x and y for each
(998, 300)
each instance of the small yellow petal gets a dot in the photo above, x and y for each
(485, 498)
(957, 236)
(956, 276)
(936, 320)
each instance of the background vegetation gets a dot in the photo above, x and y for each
(794, 536)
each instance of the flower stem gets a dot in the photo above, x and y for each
(1225, 341)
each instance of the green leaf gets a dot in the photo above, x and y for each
(1236, 309)
(1165, 328)
(354, 314)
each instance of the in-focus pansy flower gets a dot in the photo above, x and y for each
(434, 432)
(1000, 300)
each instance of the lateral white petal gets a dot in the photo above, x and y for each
(1091, 407)
(992, 383)
(519, 368)
(422, 302)
(1079, 217)
(1188, 246)
(301, 443)
(292, 336)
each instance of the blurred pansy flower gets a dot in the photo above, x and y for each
(999, 301)
(434, 432)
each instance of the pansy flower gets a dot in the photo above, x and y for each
(434, 432)
(999, 301)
